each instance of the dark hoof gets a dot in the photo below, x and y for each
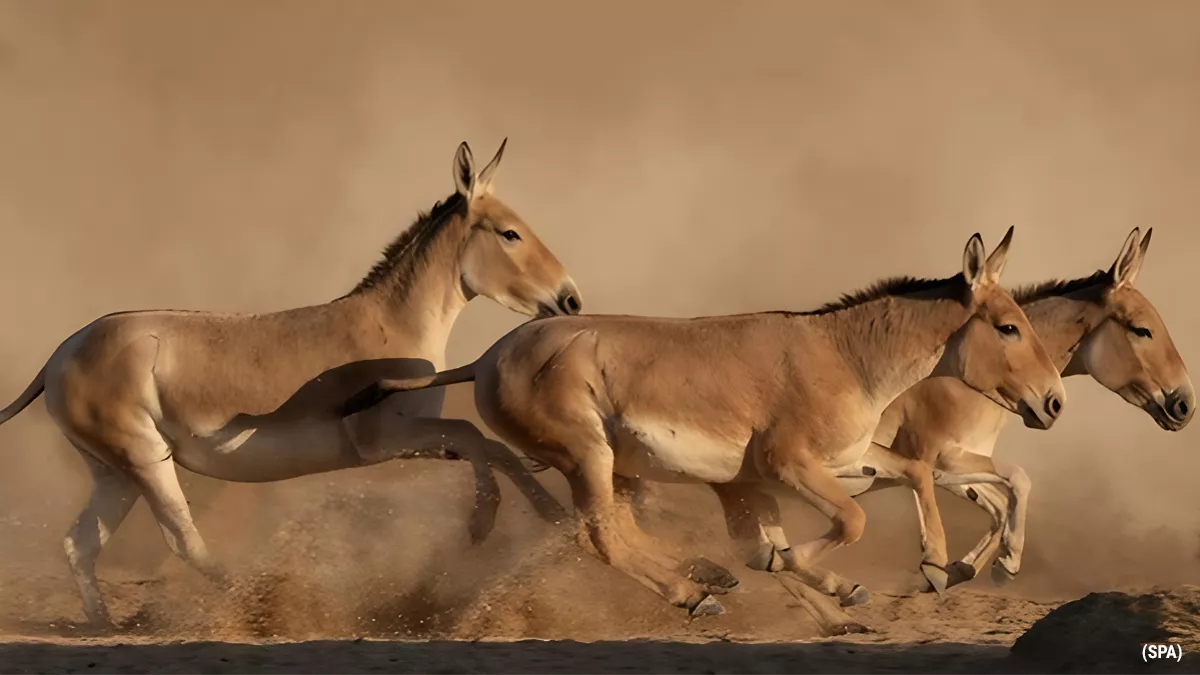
(1001, 576)
(708, 573)
(858, 596)
(937, 576)
(960, 573)
(709, 606)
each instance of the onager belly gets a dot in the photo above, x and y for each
(672, 453)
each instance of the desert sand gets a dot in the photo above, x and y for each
(681, 159)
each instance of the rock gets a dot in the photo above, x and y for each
(1104, 632)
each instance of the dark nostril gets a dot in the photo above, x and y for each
(1053, 405)
(568, 303)
(1180, 409)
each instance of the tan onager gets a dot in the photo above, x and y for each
(942, 433)
(774, 399)
(257, 397)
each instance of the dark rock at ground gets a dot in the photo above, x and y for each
(1104, 632)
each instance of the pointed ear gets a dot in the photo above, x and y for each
(1125, 268)
(464, 171)
(999, 256)
(484, 184)
(1141, 255)
(974, 262)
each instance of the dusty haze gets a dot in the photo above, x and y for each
(680, 158)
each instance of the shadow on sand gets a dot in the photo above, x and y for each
(361, 656)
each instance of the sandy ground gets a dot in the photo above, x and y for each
(345, 585)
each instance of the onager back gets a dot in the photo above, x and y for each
(776, 398)
(256, 397)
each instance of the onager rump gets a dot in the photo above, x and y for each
(770, 398)
(256, 398)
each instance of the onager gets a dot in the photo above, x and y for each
(769, 399)
(941, 432)
(257, 397)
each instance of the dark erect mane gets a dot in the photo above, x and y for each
(401, 257)
(889, 287)
(1057, 287)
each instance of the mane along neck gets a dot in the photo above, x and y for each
(415, 290)
(1063, 312)
(893, 333)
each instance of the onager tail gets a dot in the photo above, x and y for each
(28, 396)
(377, 392)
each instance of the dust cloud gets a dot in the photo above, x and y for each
(681, 158)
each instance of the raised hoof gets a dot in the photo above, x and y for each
(858, 596)
(937, 577)
(1001, 576)
(706, 572)
(960, 573)
(709, 606)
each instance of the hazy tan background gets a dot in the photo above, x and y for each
(682, 158)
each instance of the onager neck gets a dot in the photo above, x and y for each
(895, 341)
(413, 296)
(1062, 321)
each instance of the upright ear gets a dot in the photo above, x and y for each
(974, 260)
(464, 171)
(483, 186)
(1129, 261)
(999, 256)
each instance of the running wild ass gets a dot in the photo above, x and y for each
(772, 399)
(257, 397)
(942, 433)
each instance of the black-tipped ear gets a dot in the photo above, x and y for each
(999, 256)
(1125, 268)
(464, 171)
(484, 184)
(974, 260)
(1141, 258)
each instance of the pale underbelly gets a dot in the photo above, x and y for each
(667, 453)
(670, 453)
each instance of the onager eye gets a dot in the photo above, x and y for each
(1141, 332)
(510, 235)
(1008, 330)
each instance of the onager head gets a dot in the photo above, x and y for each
(502, 258)
(996, 352)
(1130, 351)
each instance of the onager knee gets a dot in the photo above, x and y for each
(1020, 483)
(851, 523)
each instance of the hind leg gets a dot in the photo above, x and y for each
(592, 489)
(113, 495)
(160, 486)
